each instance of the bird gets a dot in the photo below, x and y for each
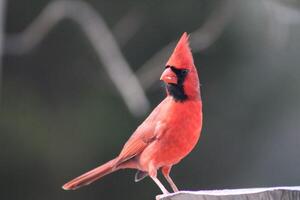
(168, 134)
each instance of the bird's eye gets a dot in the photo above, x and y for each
(185, 71)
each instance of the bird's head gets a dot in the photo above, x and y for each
(180, 74)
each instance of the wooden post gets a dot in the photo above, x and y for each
(273, 193)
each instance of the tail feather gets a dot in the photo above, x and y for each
(91, 176)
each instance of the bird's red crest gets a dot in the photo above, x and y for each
(182, 55)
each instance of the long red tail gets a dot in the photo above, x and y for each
(91, 176)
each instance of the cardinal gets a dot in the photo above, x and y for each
(168, 134)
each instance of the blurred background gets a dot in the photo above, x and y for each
(77, 78)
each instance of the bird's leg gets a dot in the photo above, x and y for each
(166, 172)
(160, 185)
(153, 175)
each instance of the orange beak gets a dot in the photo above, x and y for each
(168, 76)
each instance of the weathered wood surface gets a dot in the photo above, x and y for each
(275, 193)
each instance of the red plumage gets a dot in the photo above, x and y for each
(168, 134)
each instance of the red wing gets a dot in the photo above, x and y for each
(146, 133)
(137, 142)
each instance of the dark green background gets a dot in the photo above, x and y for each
(61, 115)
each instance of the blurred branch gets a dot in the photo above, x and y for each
(287, 14)
(21, 43)
(201, 39)
(128, 25)
(2, 22)
(101, 39)
(280, 18)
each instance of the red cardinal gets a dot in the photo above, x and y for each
(168, 134)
